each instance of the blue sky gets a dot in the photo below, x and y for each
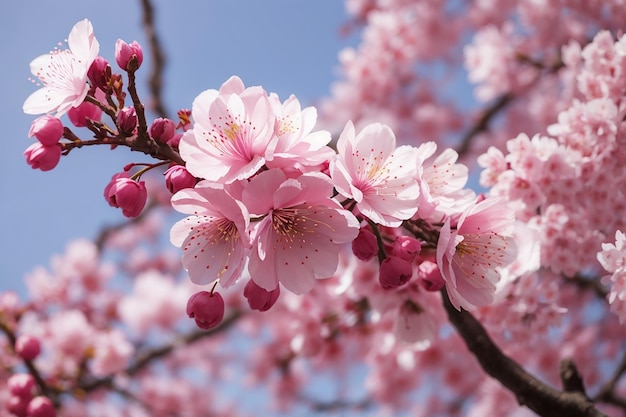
(287, 46)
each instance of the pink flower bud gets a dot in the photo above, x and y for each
(43, 157)
(124, 53)
(259, 298)
(177, 178)
(47, 129)
(394, 272)
(21, 385)
(127, 121)
(127, 194)
(207, 309)
(85, 110)
(41, 407)
(430, 276)
(99, 74)
(406, 247)
(17, 406)
(162, 129)
(175, 140)
(27, 347)
(365, 246)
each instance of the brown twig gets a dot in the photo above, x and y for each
(158, 60)
(483, 122)
(606, 393)
(531, 392)
(148, 356)
(45, 389)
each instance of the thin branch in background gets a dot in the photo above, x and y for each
(531, 392)
(482, 123)
(158, 60)
(606, 393)
(148, 356)
(589, 282)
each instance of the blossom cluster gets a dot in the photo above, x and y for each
(353, 245)
(266, 194)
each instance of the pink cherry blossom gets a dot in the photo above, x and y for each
(64, 73)
(215, 237)
(414, 325)
(379, 177)
(469, 256)
(296, 242)
(296, 146)
(232, 130)
(112, 351)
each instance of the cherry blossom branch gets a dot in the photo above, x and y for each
(158, 59)
(148, 356)
(149, 147)
(338, 405)
(589, 282)
(606, 393)
(30, 365)
(485, 117)
(530, 391)
(483, 122)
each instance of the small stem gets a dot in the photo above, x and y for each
(379, 240)
(108, 110)
(137, 175)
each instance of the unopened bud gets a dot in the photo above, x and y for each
(124, 52)
(259, 298)
(365, 246)
(27, 347)
(162, 129)
(99, 74)
(430, 276)
(41, 407)
(21, 385)
(127, 194)
(406, 247)
(127, 121)
(43, 157)
(177, 178)
(394, 272)
(78, 115)
(47, 129)
(206, 308)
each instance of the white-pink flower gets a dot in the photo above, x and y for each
(297, 239)
(232, 130)
(296, 145)
(469, 256)
(378, 176)
(214, 238)
(63, 73)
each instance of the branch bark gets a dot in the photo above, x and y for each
(158, 60)
(531, 392)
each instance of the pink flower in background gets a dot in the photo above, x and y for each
(469, 256)
(378, 176)
(214, 238)
(64, 73)
(296, 242)
(232, 130)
